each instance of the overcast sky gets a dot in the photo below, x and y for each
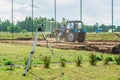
(93, 10)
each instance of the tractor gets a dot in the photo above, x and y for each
(71, 32)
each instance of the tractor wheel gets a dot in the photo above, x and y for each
(70, 37)
(81, 36)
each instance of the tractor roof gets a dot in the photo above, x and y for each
(74, 21)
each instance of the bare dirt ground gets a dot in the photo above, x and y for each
(98, 46)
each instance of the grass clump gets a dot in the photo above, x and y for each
(78, 61)
(106, 61)
(99, 58)
(46, 61)
(92, 59)
(62, 61)
(110, 58)
(11, 64)
(117, 59)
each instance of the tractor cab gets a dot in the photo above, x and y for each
(74, 25)
(74, 31)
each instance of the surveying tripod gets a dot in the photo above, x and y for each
(33, 48)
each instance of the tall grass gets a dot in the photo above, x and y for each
(78, 60)
(92, 59)
(46, 61)
(62, 61)
(11, 64)
(117, 59)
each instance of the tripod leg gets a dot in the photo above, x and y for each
(29, 61)
(31, 53)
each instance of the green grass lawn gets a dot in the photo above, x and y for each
(103, 36)
(17, 53)
(86, 72)
(7, 35)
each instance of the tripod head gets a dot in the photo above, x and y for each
(40, 26)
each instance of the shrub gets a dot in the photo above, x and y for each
(24, 31)
(117, 59)
(78, 61)
(62, 61)
(8, 63)
(110, 58)
(92, 59)
(11, 64)
(46, 61)
(106, 61)
(25, 63)
(99, 58)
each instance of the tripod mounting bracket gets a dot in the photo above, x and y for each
(40, 26)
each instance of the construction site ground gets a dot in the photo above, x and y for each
(112, 47)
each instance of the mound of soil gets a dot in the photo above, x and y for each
(98, 46)
(116, 49)
(24, 38)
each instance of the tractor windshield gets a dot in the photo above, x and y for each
(70, 25)
(79, 26)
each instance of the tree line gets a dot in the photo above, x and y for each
(101, 28)
(30, 25)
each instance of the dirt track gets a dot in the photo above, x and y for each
(99, 46)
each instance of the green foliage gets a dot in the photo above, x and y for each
(78, 61)
(46, 61)
(99, 58)
(62, 61)
(118, 29)
(110, 58)
(106, 61)
(13, 29)
(92, 59)
(24, 31)
(4, 25)
(102, 57)
(10, 63)
(117, 59)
